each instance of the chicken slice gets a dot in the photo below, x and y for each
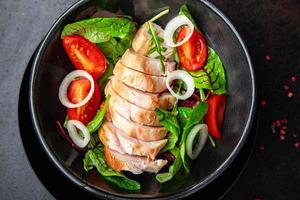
(145, 100)
(117, 140)
(131, 111)
(134, 164)
(139, 80)
(141, 132)
(150, 66)
(141, 42)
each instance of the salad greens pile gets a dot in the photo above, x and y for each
(114, 36)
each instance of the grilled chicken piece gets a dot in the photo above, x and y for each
(141, 132)
(117, 140)
(134, 164)
(139, 80)
(145, 100)
(141, 42)
(131, 111)
(150, 66)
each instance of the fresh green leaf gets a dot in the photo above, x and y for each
(173, 169)
(185, 11)
(65, 125)
(99, 30)
(169, 121)
(94, 141)
(184, 114)
(196, 117)
(96, 122)
(112, 35)
(104, 78)
(212, 76)
(95, 158)
(113, 49)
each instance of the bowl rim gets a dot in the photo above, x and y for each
(96, 192)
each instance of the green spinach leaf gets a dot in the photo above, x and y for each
(184, 114)
(185, 11)
(99, 30)
(212, 76)
(95, 158)
(112, 35)
(173, 169)
(96, 122)
(196, 117)
(169, 121)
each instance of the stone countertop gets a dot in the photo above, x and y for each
(271, 30)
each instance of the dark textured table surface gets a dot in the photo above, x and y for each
(271, 30)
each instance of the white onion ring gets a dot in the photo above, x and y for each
(186, 78)
(79, 141)
(203, 131)
(173, 25)
(63, 88)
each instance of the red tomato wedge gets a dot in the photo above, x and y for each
(215, 113)
(193, 53)
(85, 55)
(77, 91)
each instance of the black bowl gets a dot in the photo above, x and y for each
(51, 64)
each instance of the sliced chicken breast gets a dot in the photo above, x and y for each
(145, 100)
(141, 42)
(119, 141)
(139, 80)
(134, 164)
(131, 111)
(141, 132)
(147, 65)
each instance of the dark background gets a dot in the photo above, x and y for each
(270, 29)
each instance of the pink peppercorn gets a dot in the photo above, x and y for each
(282, 132)
(261, 147)
(268, 58)
(282, 137)
(290, 94)
(297, 145)
(285, 87)
(263, 102)
(293, 78)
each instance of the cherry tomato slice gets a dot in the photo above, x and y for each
(77, 91)
(84, 55)
(215, 113)
(193, 53)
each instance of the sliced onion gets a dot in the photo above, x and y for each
(198, 129)
(63, 88)
(72, 127)
(173, 25)
(186, 78)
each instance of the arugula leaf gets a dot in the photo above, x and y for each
(173, 169)
(196, 117)
(156, 41)
(212, 76)
(95, 158)
(169, 121)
